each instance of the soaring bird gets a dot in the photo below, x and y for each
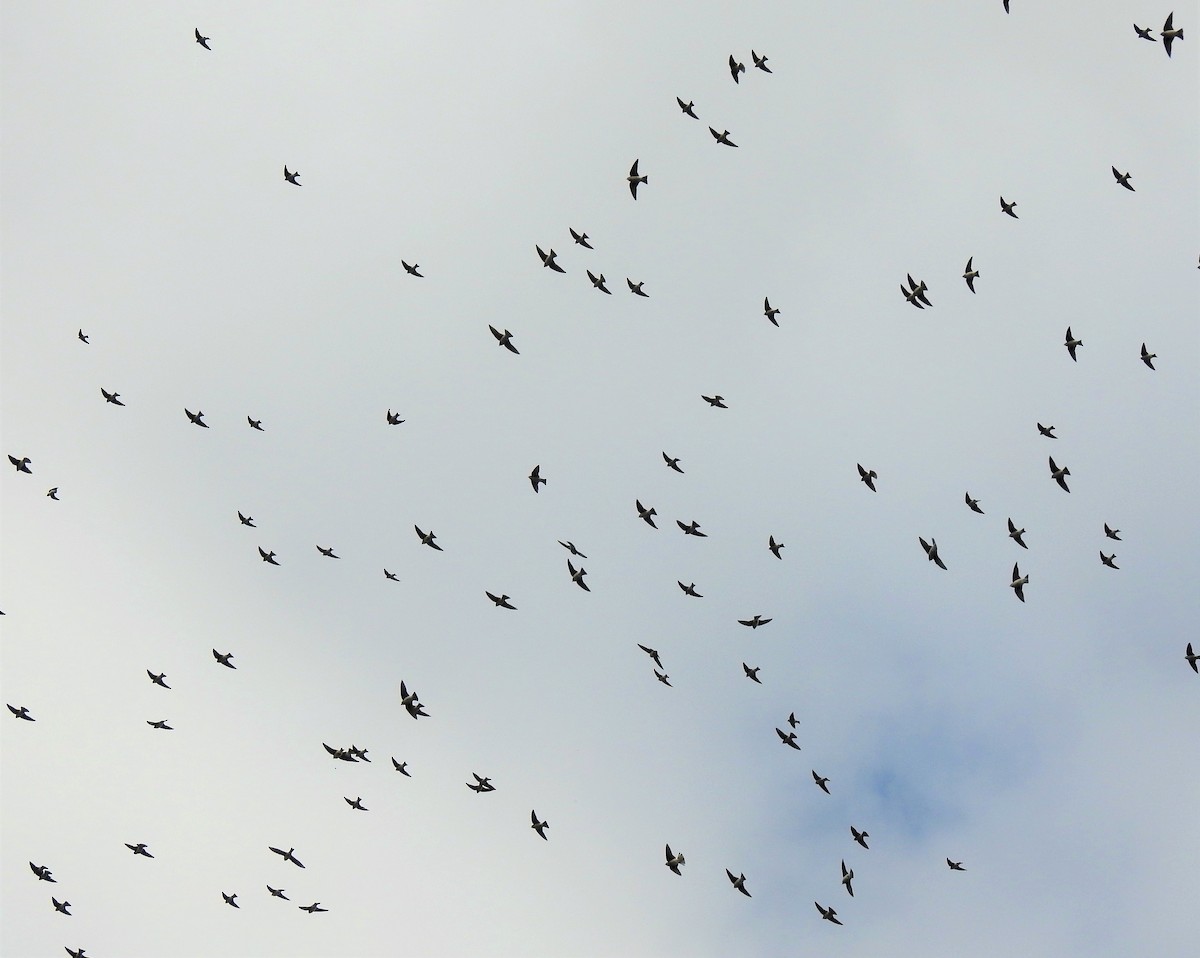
(339, 753)
(412, 270)
(61, 906)
(535, 478)
(483, 783)
(43, 873)
(735, 68)
(1006, 207)
(161, 724)
(847, 878)
(548, 259)
(577, 576)
(197, 418)
(22, 713)
(411, 702)
(646, 515)
(717, 402)
(114, 398)
(664, 678)
(313, 908)
(159, 679)
(539, 826)
(1047, 431)
(955, 866)
(1109, 561)
(390, 575)
(755, 622)
(769, 311)
(972, 504)
(674, 861)
(1146, 33)
(83, 337)
(1112, 533)
(246, 520)
(1015, 534)
(931, 551)
(203, 41)
(738, 882)
(1059, 475)
(501, 601)
(139, 849)
(328, 552)
(570, 547)
(504, 339)
(1191, 657)
(775, 547)
(401, 767)
(722, 138)
(1123, 180)
(653, 653)
(231, 899)
(581, 239)
(427, 539)
(293, 178)
(672, 463)
(355, 803)
(76, 952)
(760, 62)
(689, 590)
(867, 476)
(224, 658)
(1018, 582)
(636, 288)
(255, 424)
(829, 914)
(691, 529)
(787, 738)
(1169, 33)
(393, 418)
(21, 464)
(598, 282)
(288, 856)
(822, 783)
(635, 179)
(752, 673)
(792, 720)
(860, 837)
(687, 107)
(278, 893)
(910, 296)
(1147, 357)
(1072, 344)
(268, 557)
(918, 289)
(970, 275)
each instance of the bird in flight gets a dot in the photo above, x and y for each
(393, 418)
(752, 674)
(1146, 33)
(1109, 561)
(722, 138)
(539, 826)
(1147, 357)
(674, 861)
(412, 270)
(21, 464)
(787, 738)
(792, 720)
(231, 900)
(636, 288)
(278, 893)
(581, 239)
(224, 658)
(635, 179)
(570, 547)
(972, 504)
(1123, 180)
(139, 849)
(1169, 33)
(288, 856)
(246, 520)
(255, 424)
(268, 557)
(735, 68)
(760, 62)
(1018, 582)
(159, 679)
(501, 601)
(769, 311)
(1015, 534)
(652, 653)
(401, 767)
(775, 547)
(327, 552)
(1047, 431)
(1059, 475)
(161, 724)
(1191, 657)
(1072, 344)
(970, 275)
(411, 703)
(535, 478)
(829, 914)
(738, 882)
(860, 837)
(313, 908)
(577, 576)
(955, 866)
(1112, 533)
(822, 783)
(390, 575)
(691, 529)
(755, 622)
(197, 418)
(647, 515)
(22, 713)
(42, 872)
(931, 551)
(1007, 207)
(914, 294)
(355, 803)
(504, 339)
(482, 783)
(662, 677)
(83, 338)
(114, 398)
(427, 539)
(868, 477)
(671, 462)
(687, 107)
(847, 878)
(293, 178)
(61, 906)
(548, 259)
(203, 41)
(598, 282)
(689, 590)
(717, 402)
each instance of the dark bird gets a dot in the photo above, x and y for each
(159, 679)
(21, 464)
(114, 398)
(535, 478)
(739, 882)
(231, 899)
(1147, 357)
(401, 767)
(355, 803)
(255, 424)
(1006, 207)
(663, 678)
(636, 288)
(955, 866)
(390, 575)
(752, 674)
(246, 520)
(412, 270)
(197, 418)
(411, 703)
(868, 477)
(970, 275)
(674, 861)
(769, 311)
(690, 590)
(792, 720)
(328, 552)
(1018, 582)
(288, 856)
(359, 753)
(82, 337)
(504, 339)
(1006, 6)
(577, 576)
(313, 908)
(972, 504)
(1015, 534)
(722, 138)
(43, 873)
(393, 418)
(735, 68)
(1169, 33)
(829, 914)
(1059, 475)
(268, 557)
(293, 178)
(1123, 180)
(717, 402)
(1112, 533)
(161, 724)
(931, 551)
(653, 653)
(278, 893)
(918, 289)
(61, 906)
(774, 546)
(1109, 561)
(501, 601)
(224, 658)
(339, 753)
(22, 713)
(1072, 344)
(203, 41)
(634, 179)
(788, 738)
(570, 547)
(139, 849)
(910, 296)
(598, 282)
(581, 239)
(1146, 33)
(76, 952)
(672, 463)
(860, 837)
(427, 539)
(548, 259)
(822, 783)
(847, 878)
(755, 622)
(687, 107)
(539, 827)
(691, 529)
(482, 783)
(1188, 654)
(1047, 431)
(760, 62)
(647, 515)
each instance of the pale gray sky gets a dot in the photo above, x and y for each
(1049, 745)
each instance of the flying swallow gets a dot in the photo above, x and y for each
(224, 658)
(539, 827)
(868, 477)
(792, 720)
(581, 239)
(196, 418)
(427, 539)
(231, 899)
(288, 856)
(570, 547)
(293, 178)
(647, 515)
(1015, 534)
(598, 282)
(22, 713)
(690, 590)
(774, 546)
(1109, 561)
(161, 724)
(246, 520)
(1072, 343)
(829, 914)
(752, 674)
(672, 463)
(328, 552)
(735, 68)
(401, 767)
(255, 424)
(339, 753)
(355, 803)
(313, 908)
(717, 402)
(739, 882)
(411, 703)
(760, 62)
(972, 504)
(1112, 533)
(42, 872)
(918, 289)
(504, 339)
(158, 679)
(501, 601)
(1018, 582)
(955, 866)
(393, 418)
(1123, 180)
(687, 107)
(1047, 431)
(548, 259)
(268, 557)
(577, 576)
(61, 906)
(1006, 207)
(390, 575)
(970, 275)
(787, 738)
(662, 677)
(76, 952)
(755, 622)
(278, 893)
(691, 529)
(722, 138)
(1059, 475)
(139, 849)
(1169, 33)
(359, 753)
(652, 653)
(674, 861)
(535, 478)
(114, 398)
(1147, 357)
(931, 551)
(1191, 658)
(634, 179)
(82, 337)
(822, 783)
(484, 782)
(21, 464)
(636, 288)
(412, 270)
(203, 41)
(1146, 33)
(769, 311)
(860, 837)
(847, 878)
(910, 296)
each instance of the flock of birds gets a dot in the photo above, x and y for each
(915, 293)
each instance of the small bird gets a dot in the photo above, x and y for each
(788, 738)
(674, 861)
(1059, 475)
(328, 552)
(691, 529)
(1147, 357)
(829, 914)
(197, 418)
(652, 653)
(501, 601)
(1006, 6)
(158, 679)
(411, 702)
(539, 827)
(482, 783)
(278, 893)
(970, 275)
(598, 282)
(355, 803)
(647, 515)
(427, 539)
(755, 622)
(76, 952)
(22, 713)
(293, 178)
(43, 873)
(83, 337)
(722, 138)
(775, 547)
(161, 724)
(139, 849)
(548, 259)
(740, 881)
(760, 62)
(1015, 534)
(931, 551)
(1112, 533)
(535, 478)
(114, 398)
(752, 674)
(918, 289)
(1169, 33)
(203, 41)
(255, 424)
(847, 878)
(581, 239)
(313, 908)
(634, 180)
(1006, 207)
(717, 402)
(860, 837)
(822, 783)
(972, 504)
(268, 557)
(671, 463)
(231, 899)
(412, 270)
(1191, 657)
(792, 720)
(1146, 33)
(577, 576)
(504, 339)
(1109, 561)
(393, 418)
(910, 296)
(1123, 180)
(570, 547)
(662, 677)
(868, 477)
(1072, 344)
(769, 311)
(224, 658)
(687, 107)
(61, 906)
(955, 866)
(735, 68)
(390, 575)
(358, 753)
(339, 753)
(401, 767)
(1047, 431)
(1018, 582)
(288, 856)
(246, 520)
(690, 590)
(21, 464)
(636, 288)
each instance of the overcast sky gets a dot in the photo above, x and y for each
(1050, 746)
